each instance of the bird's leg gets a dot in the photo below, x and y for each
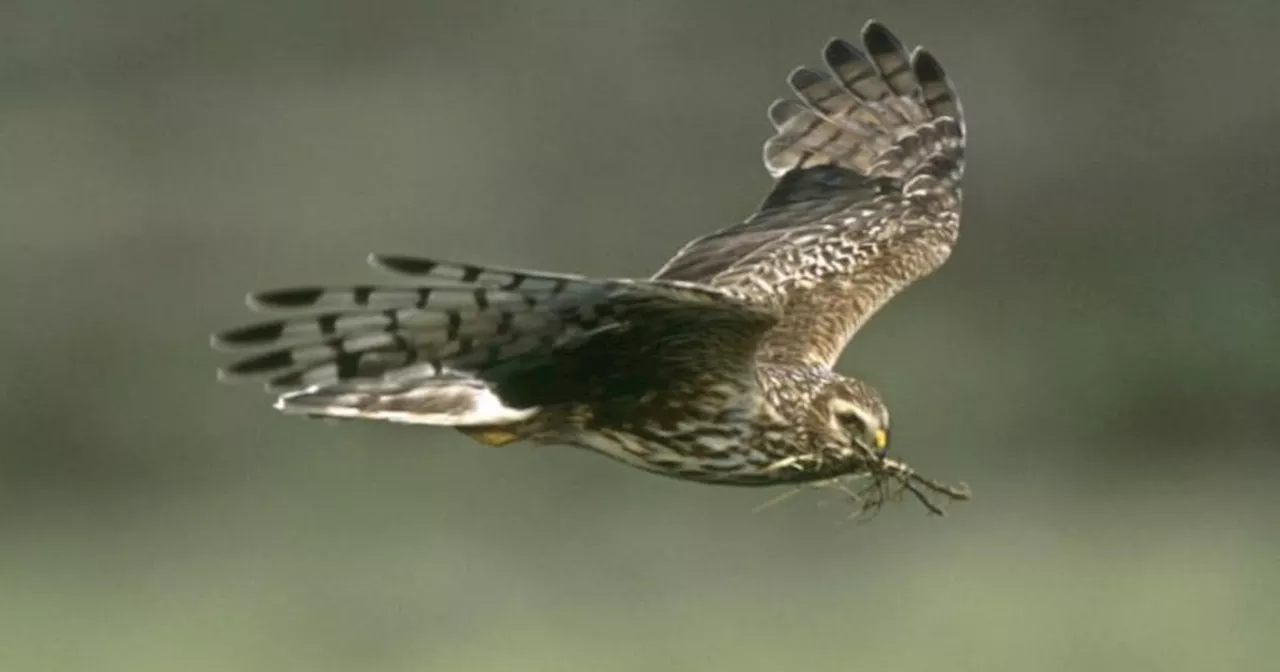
(496, 435)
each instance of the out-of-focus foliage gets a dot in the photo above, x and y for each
(1099, 359)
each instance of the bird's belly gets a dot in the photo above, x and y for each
(742, 458)
(722, 456)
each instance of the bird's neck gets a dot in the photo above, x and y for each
(789, 390)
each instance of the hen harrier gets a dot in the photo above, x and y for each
(717, 368)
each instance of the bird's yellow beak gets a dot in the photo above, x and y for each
(882, 439)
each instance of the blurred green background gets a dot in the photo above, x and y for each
(1098, 360)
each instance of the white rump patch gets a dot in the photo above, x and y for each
(449, 403)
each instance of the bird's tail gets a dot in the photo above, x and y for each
(422, 398)
(883, 114)
(414, 354)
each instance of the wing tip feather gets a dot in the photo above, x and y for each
(402, 264)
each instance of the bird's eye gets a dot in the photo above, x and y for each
(854, 421)
(857, 425)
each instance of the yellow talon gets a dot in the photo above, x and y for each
(491, 436)
(882, 439)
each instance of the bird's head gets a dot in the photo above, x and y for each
(856, 416)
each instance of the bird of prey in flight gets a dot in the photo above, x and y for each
(717, 368)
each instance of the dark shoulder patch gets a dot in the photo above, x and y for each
(816, 183)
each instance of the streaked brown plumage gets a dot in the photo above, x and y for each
(718, 368)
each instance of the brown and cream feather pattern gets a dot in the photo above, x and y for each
(868, 161)
(718, 367)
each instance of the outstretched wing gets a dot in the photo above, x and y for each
(467, 344)
(867, 199)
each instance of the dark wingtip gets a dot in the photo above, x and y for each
(937, 89)
(879, 39)
(277, 360)
(777, 112)
(839, 50)
(285, 382)
(874, 25)
(802, 78)
(296, 297)
(927, 66)
(402, 264)
(253, 334)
